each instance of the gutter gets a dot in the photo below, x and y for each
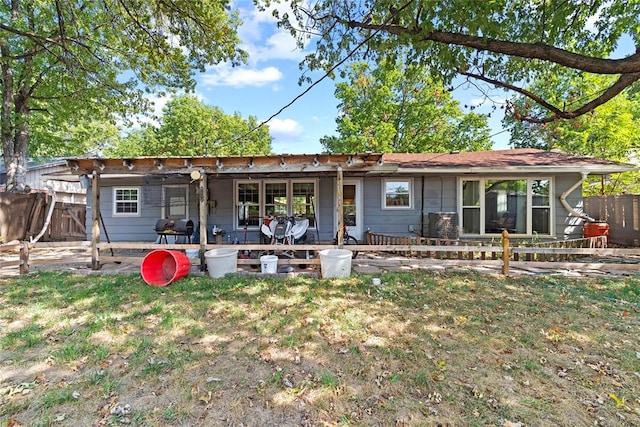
(572, 211)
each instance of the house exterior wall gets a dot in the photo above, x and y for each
(431, 194)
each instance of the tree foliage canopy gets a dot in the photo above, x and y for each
(190, 128)
(393, 108)
(77, 61)
(611, 131)
(506, 43)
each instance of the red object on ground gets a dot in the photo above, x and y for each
(595, 229)
(162, 267)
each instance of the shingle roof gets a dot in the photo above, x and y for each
(522, 157)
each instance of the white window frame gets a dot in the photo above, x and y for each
(236, 192)
(116, 202)
(529, 201)
(262, 196)
(409, 181)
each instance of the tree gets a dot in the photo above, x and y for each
(190, 128)
(393, 108)
(80, 61)
(611, 131)
(505, 43)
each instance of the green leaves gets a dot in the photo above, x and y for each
(68, 66)
(505, 42)
(190, 128)
(400, 108)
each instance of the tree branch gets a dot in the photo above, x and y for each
(621, 84)
(517, 89)
(629, 64)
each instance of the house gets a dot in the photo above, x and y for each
(470, 195)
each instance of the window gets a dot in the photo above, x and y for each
(126, 201)
(257, 198)
(540, 206)
(397, 194)
(248, 204)
(471, 207)
(520, 206)
(276, 200)
(303, 201)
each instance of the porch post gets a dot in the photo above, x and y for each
(505, 252)
(204, 211)
(339, 207)
(95, 220)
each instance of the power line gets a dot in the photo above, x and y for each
(327, 73)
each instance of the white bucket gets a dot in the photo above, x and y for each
(221, 261)
(335, 263)
(269, 264)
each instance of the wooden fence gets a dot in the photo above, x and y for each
(507, 252)
(622, 213)
(67, 220)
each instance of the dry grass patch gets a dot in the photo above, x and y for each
(420, 350)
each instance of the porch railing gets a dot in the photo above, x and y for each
(22, 255)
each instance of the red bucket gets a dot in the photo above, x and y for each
(595, 229)
(161, 267)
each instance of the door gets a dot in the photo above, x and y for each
(352, 207)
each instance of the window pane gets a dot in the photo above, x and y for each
(540, 220)
(248, 204)
(471, 220)
(349, 205)
(505, 206)
(276, 199)
(397, 194)
(540, 192)
(303, 201)
(471, 193)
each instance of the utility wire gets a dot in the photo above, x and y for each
(326, 74)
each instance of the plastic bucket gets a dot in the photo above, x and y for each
(269, 264)
(161, 267)
(192, 253)
(221, 261)
(595, 229)
(335, 263)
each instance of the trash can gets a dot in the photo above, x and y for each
(221, 261)
(162, 267)
(335, 263)
(269, 264)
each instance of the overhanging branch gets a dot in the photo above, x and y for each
(621, 84)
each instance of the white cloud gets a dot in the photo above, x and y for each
(225, 75)
(263, 40)
(284, 129)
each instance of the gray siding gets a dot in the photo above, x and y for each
(431, 194)
(568, 226)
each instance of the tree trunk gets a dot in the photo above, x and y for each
(15, 130)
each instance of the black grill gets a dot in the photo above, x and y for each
(174, 227)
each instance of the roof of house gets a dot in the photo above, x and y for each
(497, 161)
(521, 158)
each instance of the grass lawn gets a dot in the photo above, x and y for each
(421, 349)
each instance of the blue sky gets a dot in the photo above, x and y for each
(269, 81)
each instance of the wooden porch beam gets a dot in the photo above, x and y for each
(340, 203)
(95, 220)
(204, 212)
